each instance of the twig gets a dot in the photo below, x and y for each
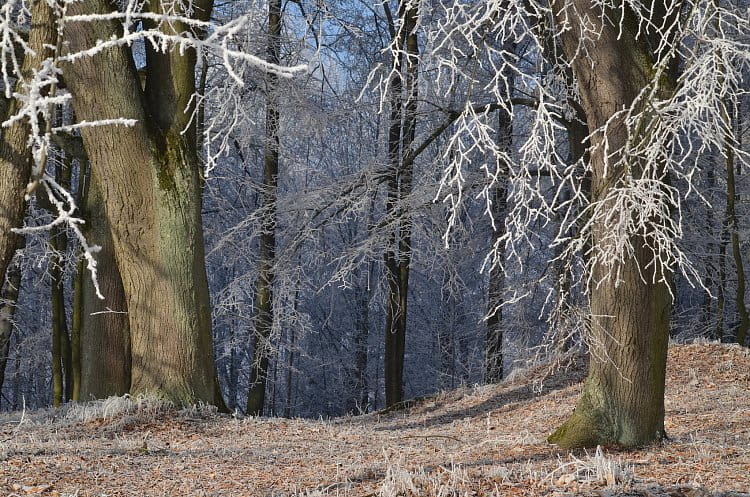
(433, 436)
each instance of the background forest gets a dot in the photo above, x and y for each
(394, 197)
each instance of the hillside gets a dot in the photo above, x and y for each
(482, 441)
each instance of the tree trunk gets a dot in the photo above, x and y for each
(398, 256)
(264, 319)
(76, 318)
(710, 268)
(493, 362)
(62, 374)
(732, 224)
(623, 398)
(447, 354)
(15, 156)
(59, 326)
(8, 302)
(150, 185)
(290, 373)
(720, 299)
(104, 329)
(361, 338)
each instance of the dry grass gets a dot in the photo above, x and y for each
(487, 441)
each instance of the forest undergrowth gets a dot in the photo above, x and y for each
(481, 441)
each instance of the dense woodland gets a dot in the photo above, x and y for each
(296, 208)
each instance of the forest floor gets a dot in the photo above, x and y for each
(480, 441)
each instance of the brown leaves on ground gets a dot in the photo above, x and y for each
(471, 442)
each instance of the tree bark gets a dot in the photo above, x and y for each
(60, 369)
(623, 397)
(150, 185)
(720, 299)
(15, 157)
(104, 329)
(8, 302)
(732, 224)
(493, 361)
(264, 319)
(62, 374)
(398, 256)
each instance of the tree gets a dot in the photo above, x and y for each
(8, 303)
(264, 319)
(103, 329)
(150, 185)
(493, 369)
(15, 156)
(402, 128)
(623, 397)
(731, 223)
(648, 130)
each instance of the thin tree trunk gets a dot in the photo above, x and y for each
(406, 174)
(398, 257)
(361, 339)
(493, 362)
(76, 319)
(362, 336)
(75, 331)
(233, 367)
(447, 354)
(732, 224)
(710, 268)
(59, 323)
(623, 397)
(720, 298)
(267, 255)
(289, 373)
(17, 381)
(8, 302)
(62, 374)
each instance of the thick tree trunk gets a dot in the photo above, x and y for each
(264, 319)
(623, 397)
(104, 329)
(15, 157)
(150, 185)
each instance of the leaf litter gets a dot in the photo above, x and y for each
(482, 441)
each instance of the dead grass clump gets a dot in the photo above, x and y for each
(598, 469)
(440, 481)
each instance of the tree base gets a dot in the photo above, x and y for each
(581, 430)
(590, 426)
